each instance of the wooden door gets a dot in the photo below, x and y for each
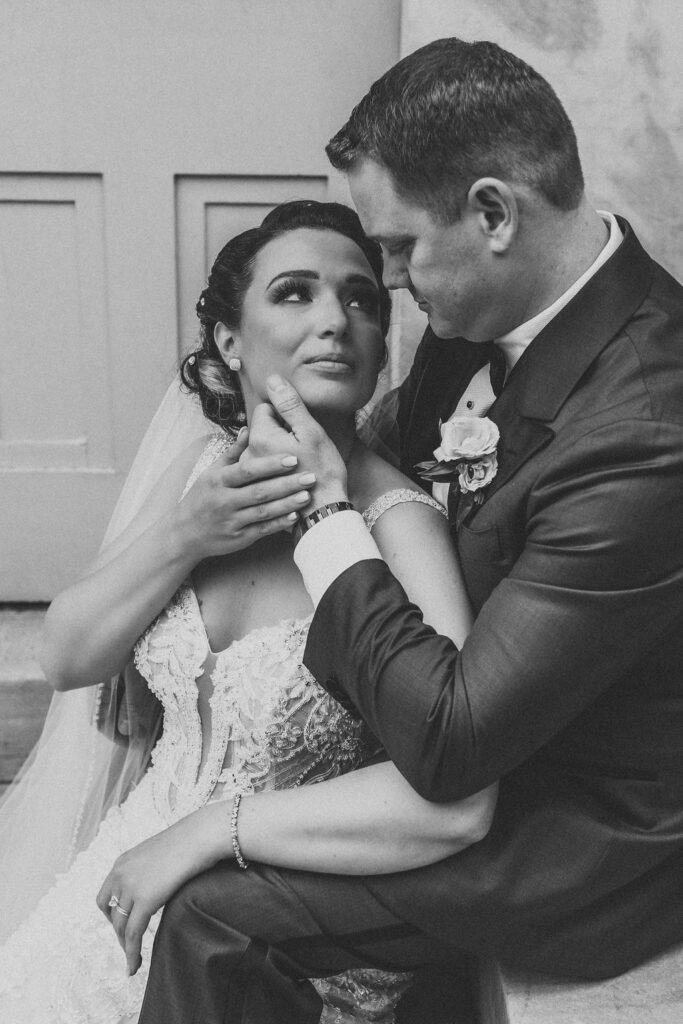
(136, 139)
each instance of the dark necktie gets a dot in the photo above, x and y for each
(497, 369)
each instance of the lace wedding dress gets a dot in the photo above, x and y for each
(272, 727)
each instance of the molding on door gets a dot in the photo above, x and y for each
(212, 209)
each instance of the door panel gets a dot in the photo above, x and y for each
(135, 138)
(209, 211)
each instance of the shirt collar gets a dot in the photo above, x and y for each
(514, 342)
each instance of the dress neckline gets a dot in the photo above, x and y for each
(287, 624)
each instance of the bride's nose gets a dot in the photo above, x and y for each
(333, 317)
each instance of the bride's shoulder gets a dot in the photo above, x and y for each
(377, 487)
(173, 481)
(200, 455)
(371, 477)
(191, 460)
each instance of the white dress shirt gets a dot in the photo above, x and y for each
(339, 541)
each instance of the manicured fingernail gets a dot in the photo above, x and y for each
(241, 432)
(306, 479)
(292, 517)
(275, 381)
(302, 496)
(290, 460)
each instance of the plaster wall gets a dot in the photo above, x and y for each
(616, 66)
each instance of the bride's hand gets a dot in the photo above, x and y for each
(241, 498)
(143, 879)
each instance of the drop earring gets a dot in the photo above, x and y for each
(235, 364)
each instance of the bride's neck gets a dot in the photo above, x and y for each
(341, 432)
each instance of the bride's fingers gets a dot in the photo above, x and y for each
(266, 492)
(135, 929)
(239, 444)
(103, 897)
(251, 467)
(120, 919)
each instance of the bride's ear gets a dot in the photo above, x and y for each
(225, 341)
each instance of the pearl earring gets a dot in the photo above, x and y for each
(235, 364)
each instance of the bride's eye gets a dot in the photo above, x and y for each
(366, 299)
(291, 290)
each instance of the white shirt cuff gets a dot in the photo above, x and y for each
(330, 547)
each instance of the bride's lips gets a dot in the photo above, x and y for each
(331, 363)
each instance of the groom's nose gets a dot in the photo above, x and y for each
(395, 273)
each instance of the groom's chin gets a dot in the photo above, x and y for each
(443, 329)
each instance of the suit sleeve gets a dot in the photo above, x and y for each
(598, 583)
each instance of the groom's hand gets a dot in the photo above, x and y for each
(286, 425)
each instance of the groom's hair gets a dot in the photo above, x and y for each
(453, 112)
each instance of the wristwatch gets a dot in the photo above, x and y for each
(309, 519)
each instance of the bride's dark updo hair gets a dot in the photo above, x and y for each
(204, 371)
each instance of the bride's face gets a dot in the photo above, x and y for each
(311, 314)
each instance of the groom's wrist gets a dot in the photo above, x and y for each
(331, 546)
(308, 519)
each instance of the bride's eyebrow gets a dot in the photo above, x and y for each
(311, 274)
(362, 279)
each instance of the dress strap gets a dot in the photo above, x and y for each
(398, 497)
(216, 446)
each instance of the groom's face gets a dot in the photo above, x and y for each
(447, 268)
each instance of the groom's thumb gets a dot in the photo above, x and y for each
(286, 400)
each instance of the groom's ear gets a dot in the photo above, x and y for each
(494, 204)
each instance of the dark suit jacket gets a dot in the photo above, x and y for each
(570, 686)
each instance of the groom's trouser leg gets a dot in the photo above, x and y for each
(234, 947)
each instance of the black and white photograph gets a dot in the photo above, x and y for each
(341, 512)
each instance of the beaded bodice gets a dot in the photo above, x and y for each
(272, 725)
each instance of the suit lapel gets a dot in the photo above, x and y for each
(449, 365)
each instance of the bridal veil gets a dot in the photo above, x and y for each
(93, 748)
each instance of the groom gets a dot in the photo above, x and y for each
(462, 163)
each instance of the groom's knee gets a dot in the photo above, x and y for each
(196, 907)
(221, 900)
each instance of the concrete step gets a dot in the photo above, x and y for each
(649, 994)
(24, 692)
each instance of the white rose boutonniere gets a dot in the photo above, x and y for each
(467, 453)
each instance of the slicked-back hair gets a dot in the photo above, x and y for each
(455, 111)
(203, 371)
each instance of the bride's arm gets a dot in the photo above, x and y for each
(372, 821)
(92, 626)
(369, 821)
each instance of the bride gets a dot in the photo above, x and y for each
(195, 611)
